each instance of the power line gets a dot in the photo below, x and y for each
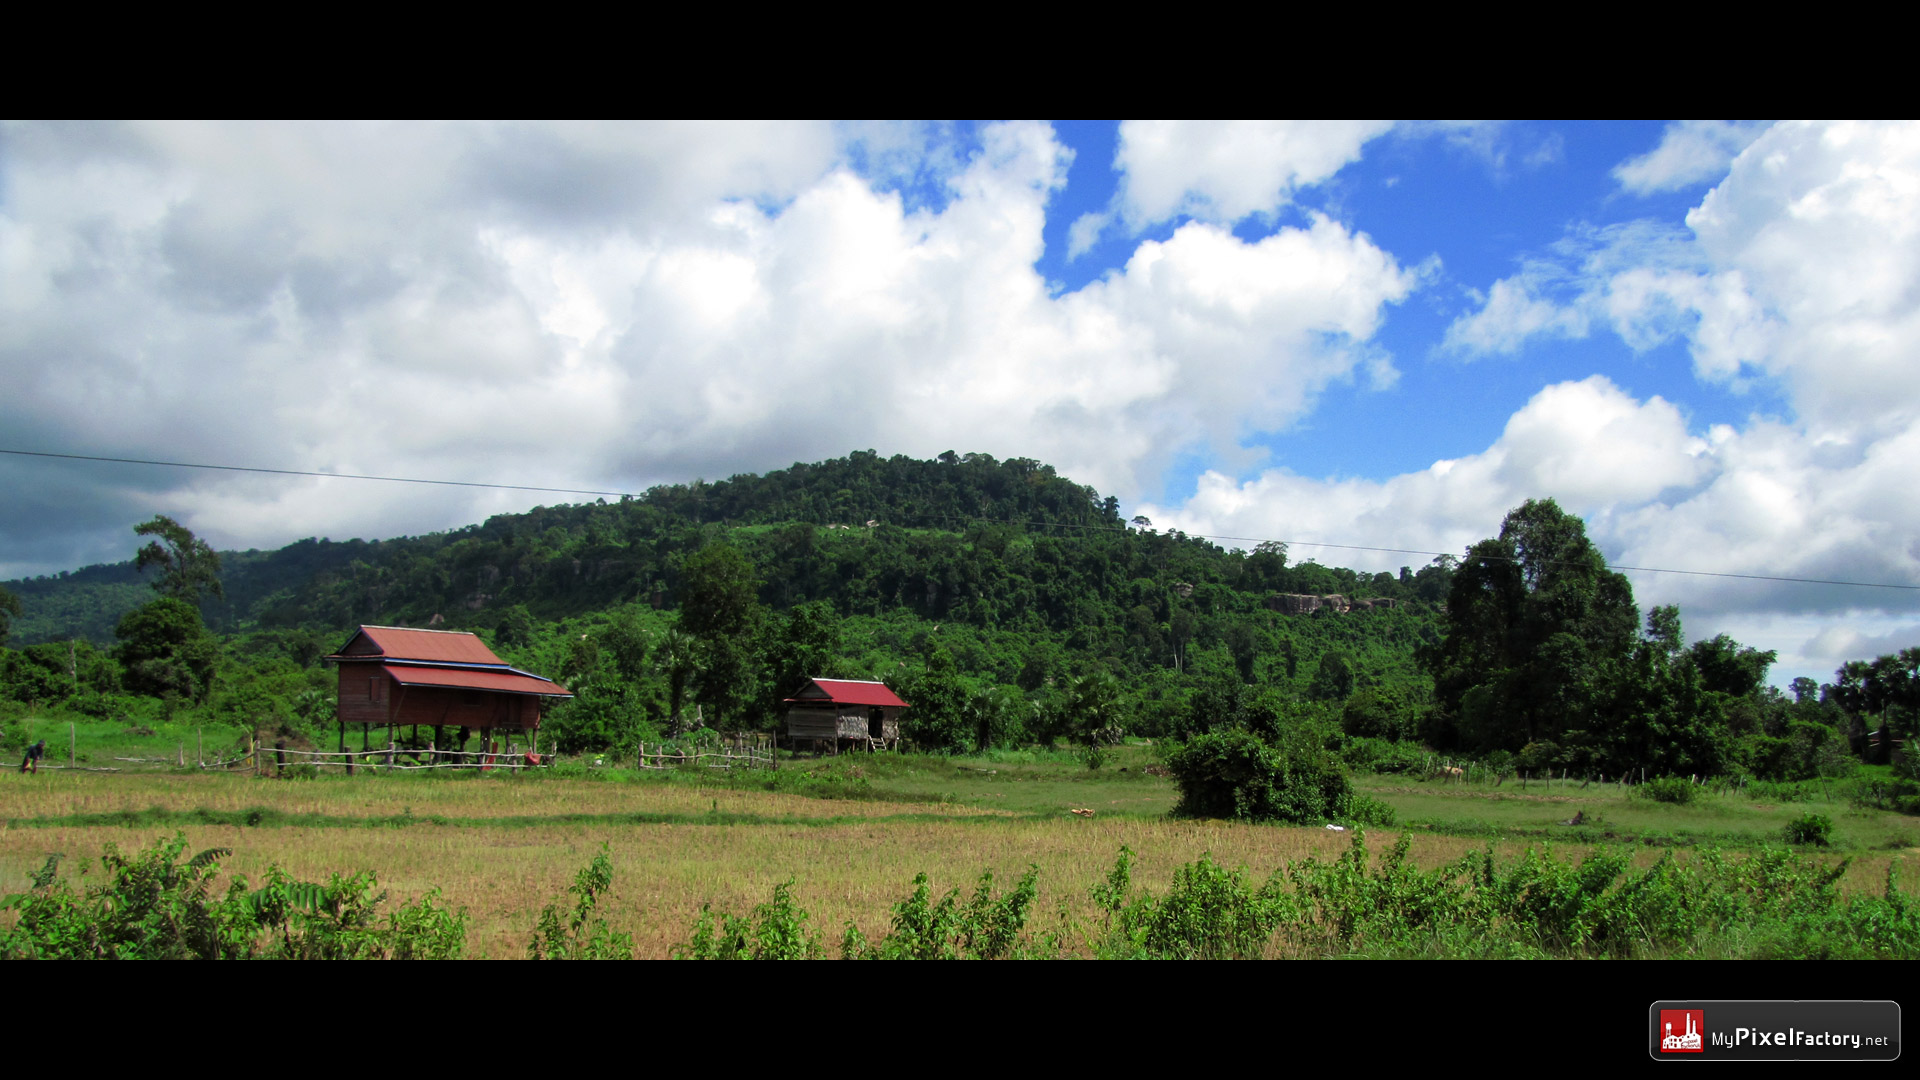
(999, 521)
(305, 472)
(1417, 551)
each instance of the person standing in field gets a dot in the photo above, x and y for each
(31, 763)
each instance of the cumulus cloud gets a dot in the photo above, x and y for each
(1801, 266)
(604, 306)
(1226, 170)
(1690, 152)
(1587, 444)
(1511, 314)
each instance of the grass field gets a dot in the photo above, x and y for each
(851, 832)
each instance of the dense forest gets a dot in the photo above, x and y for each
(1006, 602)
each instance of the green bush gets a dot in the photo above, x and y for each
(776, 930)
(1669, 789)
(1899, 795)
(574, 939)
(1811, 829)
(1382, 756)
(152, 906)
(1210, 913)
(1775, 791)
(985, 928)
(1236, 774)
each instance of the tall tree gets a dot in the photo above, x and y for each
(719, 605)
(165, 649)
(1533, 617)
(9, 609)
(189, 568)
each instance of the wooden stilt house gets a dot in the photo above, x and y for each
(395, 677)
(833, 710)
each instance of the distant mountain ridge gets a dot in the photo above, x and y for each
(277, 587)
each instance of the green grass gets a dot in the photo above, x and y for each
(1051, 782)
(100, 744)
(1611, 813)
(1025, 782)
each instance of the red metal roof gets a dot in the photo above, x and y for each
(433, 646)
(849, 692)
(509, 682)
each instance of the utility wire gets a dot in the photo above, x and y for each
(304, 472)
(997, 521)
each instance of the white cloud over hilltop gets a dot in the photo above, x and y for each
(1800, 267)
(604, 306)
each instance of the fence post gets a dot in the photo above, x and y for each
(72, 740)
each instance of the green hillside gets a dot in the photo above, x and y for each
(1009, 604)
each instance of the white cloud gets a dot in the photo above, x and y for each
(1085, 232)
(1587, 444)
(1225, 170)
(609, 307)
(1510, 315)
(1690, 152)
(1800, 266)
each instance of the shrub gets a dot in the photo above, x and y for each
(985, 928)
(777, 930)
(1380, 714)
(1210, 913)
(1774, 791)
(1381, 756)
(574, 940)
(1899, 795)
(152, 906)
(1236, 774)
(1669, 789)
(1810, 828)
(923, 929)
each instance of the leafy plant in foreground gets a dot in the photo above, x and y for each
(152, 906)
(573, 939)
(777, 930)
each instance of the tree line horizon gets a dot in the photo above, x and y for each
(1029, 613)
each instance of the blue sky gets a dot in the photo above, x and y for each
(1699, 335)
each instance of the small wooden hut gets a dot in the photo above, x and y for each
(832, 710)
(394, 677)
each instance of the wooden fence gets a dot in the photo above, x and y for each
(270, 761)
(753, 752)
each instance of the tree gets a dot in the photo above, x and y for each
(719, 605)
(1728, 667)
(9, 610)
(1244, 645)
(1533, 618)
(1332, 680)
(189, 568)
(165, 649)
(1093, 709)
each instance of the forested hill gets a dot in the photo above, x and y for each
(997, 544)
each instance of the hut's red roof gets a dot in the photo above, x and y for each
(507, 682)
(432, 646)
(848, 692)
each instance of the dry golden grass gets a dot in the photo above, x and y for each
(62, 794)
(846, 870)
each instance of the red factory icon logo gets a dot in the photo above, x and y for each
(1681, 1030)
